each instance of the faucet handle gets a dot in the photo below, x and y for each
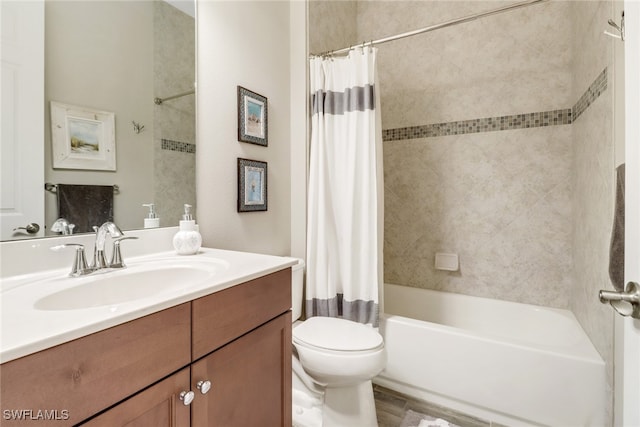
(116, 257)
(62, 226)
(79, 267)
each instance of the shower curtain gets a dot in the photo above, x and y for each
(345, 202)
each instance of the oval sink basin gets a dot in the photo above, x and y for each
(123, 286)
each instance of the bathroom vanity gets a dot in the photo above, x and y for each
(221, 356)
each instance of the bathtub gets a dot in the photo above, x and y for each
(515, 364)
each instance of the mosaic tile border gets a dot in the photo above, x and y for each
(489, 124)
(598, 86)
(183, 147)
(516, 121)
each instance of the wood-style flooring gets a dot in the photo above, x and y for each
(392, 406)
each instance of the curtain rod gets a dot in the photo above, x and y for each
(437, 26)
(159, 101)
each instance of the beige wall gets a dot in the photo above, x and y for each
(109, 68)
(246, 44)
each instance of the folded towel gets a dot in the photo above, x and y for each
(85, 205)
(616, 250)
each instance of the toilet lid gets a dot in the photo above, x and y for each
(337, 334)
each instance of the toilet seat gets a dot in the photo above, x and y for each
(330, 333)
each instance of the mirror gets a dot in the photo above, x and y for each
(117, 57)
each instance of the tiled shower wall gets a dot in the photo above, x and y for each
(593, 176)
(332, 25)
(501, 199)
(501, 202)
(175, 122)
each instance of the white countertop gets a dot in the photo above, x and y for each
(26, 329)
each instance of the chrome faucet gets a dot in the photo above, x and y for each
(62, 226)
(80, 267)
(99, 260)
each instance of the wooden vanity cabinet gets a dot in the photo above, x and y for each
(250, 386)
(238, 339)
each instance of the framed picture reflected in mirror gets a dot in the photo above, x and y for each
(82, 138)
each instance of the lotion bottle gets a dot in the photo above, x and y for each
(187, 241)
(152, 220)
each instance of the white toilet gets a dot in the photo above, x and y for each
(332, 370)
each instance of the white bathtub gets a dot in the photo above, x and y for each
(511, 363)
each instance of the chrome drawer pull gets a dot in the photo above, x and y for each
(187, 397)
(204, 386)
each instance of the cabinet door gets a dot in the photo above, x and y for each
(158, 406)
(250, 380)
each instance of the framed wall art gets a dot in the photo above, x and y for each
(252, 117)
(82, 138)
(252, 185)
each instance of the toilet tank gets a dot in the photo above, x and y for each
(297, 282)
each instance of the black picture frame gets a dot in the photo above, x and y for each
(252, 185)
(253, 117)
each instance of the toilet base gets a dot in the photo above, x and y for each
(307, 405)
(352, 406)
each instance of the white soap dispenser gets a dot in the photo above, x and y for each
(152, 220)
(187, 241)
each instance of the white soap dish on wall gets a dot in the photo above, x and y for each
(447, 262)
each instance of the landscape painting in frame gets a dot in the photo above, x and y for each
(82, 138)
(252, 185)
(252, 117)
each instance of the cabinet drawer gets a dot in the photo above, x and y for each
(87, 375)
(225, 315)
